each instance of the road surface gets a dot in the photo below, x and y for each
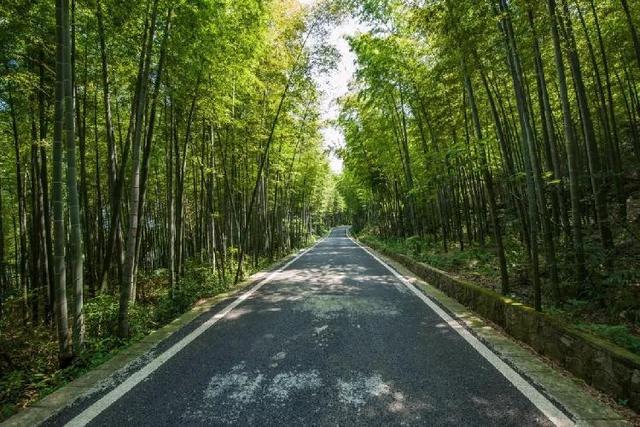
(334, 338)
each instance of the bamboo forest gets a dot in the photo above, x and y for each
(501, 140)
(157, 153)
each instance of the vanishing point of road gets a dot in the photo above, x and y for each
(334, 337)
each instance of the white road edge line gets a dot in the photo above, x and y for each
(108, 399)
(555, 415)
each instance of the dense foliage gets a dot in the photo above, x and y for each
(508, 131)
(144, 143)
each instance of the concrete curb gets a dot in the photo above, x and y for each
(571, 394)
(66, 395)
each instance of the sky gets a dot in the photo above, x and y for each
(335, 84)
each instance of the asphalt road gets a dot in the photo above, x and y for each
(333, 339)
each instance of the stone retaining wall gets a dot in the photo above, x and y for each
(605, 366)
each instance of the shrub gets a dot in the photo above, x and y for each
(618, 334)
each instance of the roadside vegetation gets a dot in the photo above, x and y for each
(500, 141)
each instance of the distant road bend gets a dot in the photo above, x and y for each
(333, 338)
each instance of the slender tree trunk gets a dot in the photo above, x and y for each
(488, 180)
(128, 279)
(3, 272)
(149, 137)
(115, 238)
(64, 342)
(22, 209)
(632, 29)
(593, 156)
(171, 202)
(112, 169)
(572, 149)
(75, 237)
(528, 150)
(549, 135)
(99, 205)
(549, 138)
(45, 219)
